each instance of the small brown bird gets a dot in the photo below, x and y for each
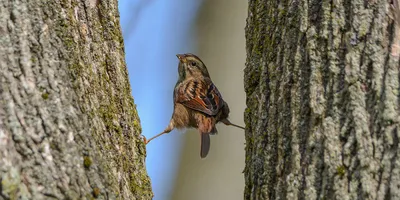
(197, 102)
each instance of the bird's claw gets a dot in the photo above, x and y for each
(144, 139)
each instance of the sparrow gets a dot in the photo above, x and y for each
(197, 102)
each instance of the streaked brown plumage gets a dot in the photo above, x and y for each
(197, 102)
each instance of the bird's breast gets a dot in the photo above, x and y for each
(183, 117)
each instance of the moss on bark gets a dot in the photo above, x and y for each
(68, 124)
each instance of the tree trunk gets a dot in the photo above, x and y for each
(322, 85)
(68, 125)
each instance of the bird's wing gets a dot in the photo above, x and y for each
(200, 95)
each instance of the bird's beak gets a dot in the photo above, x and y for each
(181, 57)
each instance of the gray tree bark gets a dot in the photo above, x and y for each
(322, 85)
(68, 124)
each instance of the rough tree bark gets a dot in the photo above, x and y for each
(68, 125)
(322, 84)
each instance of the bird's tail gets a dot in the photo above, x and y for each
(205, 144)
(205, 141)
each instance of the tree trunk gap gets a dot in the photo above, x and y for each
(322, 85)
(68, 124)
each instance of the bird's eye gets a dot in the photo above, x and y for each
(193, 64)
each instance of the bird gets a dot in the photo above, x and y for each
(197, 102)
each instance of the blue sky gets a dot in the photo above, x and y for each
(154, 32)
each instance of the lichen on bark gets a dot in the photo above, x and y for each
(68, 124)
(323, 100)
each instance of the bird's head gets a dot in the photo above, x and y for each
(191, 66)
